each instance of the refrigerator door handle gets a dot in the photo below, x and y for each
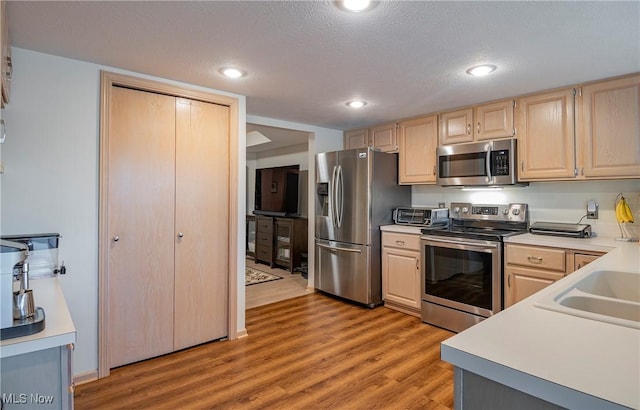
(340, 196)
(332, 197)
(337, 248)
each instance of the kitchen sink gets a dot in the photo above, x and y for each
(612, 284)
(603, 295)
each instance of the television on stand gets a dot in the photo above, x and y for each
(276, 191)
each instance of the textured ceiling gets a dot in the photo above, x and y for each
(305, 59)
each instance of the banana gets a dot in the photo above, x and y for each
(620, 213)
(627, 211)
(623, 211)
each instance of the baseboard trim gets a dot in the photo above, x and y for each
(242, 333)
(86, 377)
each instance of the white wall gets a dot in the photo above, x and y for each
(51, 177)
(549, 201)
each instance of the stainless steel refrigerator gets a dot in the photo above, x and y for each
(356, 192)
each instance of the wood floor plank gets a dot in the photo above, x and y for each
(312, 351)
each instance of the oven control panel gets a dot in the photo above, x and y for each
(489, 212)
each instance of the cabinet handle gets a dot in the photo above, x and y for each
(418, 264)
(534, 259)
(509, 280)
(469, 129)
(478, 128)
(180, 235)
(400, 243)
(434, 170)
(522, 166)
(116, 238)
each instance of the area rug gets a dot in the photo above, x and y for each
(254, 276)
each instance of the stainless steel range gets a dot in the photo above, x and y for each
(462, 266)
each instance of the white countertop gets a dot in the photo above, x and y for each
(596, 244)
(416, 230)
(59, 329)
(564, 359)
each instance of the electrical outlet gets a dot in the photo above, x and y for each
(592, 209)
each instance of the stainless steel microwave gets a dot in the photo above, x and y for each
(487, 163)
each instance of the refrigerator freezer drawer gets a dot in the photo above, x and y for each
(345, 270)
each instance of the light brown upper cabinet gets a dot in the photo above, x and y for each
(482, 122)
(545, 132)
(383, 137)
(592, 132)
(609, 129)
(356, 138)
(418, 141)
(7, 66)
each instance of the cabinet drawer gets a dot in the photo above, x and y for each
(535, 257)
(264, 224)
(263, 253)
(264, 239)
(404, 241)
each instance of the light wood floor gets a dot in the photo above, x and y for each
(310, 352)
(290, 286)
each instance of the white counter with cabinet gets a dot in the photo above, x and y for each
(530, 356)
(36, 369)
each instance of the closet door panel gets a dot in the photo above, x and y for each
(202, 222)
(141, 194)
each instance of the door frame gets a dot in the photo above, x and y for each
(107, 81)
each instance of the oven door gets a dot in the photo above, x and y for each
(462, 274)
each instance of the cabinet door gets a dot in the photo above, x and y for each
(417, 150)
(6, 64)
(582, 260)
(521, 283)
(545, 132)
(141, 192)
(401, 276)
(202, 223)
(456, 126)
(384, 137)
(494, 120)
(283, 241)
(610, 129)
(356, 139)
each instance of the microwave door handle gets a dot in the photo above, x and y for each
(487, 162)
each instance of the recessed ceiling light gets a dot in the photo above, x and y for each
(232, 72)
(356, 104)
(355, 5)
(481, 70)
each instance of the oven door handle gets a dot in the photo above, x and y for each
(488, 245)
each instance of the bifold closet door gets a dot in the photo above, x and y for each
(141, 225)
(202, 222)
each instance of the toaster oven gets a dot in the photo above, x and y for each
(421, 216)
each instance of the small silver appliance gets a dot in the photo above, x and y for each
(421, 216)
(22, 258)
(561, 229)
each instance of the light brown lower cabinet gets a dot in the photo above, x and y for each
(529, 269)
(401, 272)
